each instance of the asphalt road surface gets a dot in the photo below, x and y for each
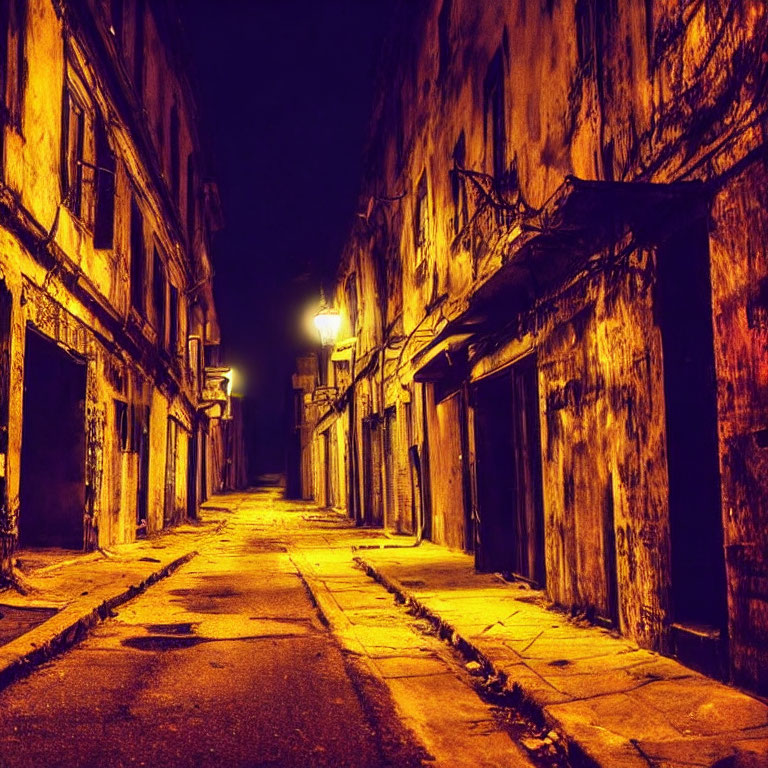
(225, 663)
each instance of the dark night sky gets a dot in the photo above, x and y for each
(284, 88)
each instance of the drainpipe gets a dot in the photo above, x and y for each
(382, 411)
(354, 488)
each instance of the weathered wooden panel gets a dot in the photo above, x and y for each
(656, 91)
(575, 469)
(445, 467)
(740, 306)
(604, 462)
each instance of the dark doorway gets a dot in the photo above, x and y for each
(466, 489)
(142, 486)
(6, 304)
(328, 499)
(684, 308)
(390, 424)
(372, 506)
(52, 487)
(171, 444)
(509, 508)
(193, 471)
(446, 466)
(203, 466)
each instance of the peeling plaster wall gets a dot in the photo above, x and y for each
(663, 92)
(602, 428)
(34, 174)
(78, 295)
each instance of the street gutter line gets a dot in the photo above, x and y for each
(520, 700)
(75, 629)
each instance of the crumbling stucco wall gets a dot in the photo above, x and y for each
(602, 427)
(78, 295)
(483, 112)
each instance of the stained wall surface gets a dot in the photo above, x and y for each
(583, 185)
(105, 252)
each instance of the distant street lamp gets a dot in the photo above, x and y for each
(327, 321)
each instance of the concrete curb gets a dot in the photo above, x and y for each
(522, 697)
(328, 610)
(69, 626)
(365, 676)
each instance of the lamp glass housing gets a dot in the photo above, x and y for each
(327, 322)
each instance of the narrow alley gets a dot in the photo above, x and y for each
(384, 383)
(280, 634)
(227, 662)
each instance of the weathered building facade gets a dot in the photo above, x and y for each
(556, 313)
(106, 304)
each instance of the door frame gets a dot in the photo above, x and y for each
(501, 560)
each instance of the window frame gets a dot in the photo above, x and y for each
(138, 253)
(159, 295)
(13, 30)
(73, 151)
(459, 195)
(421, 220)
(105, 187)
(494, 114)
(173, 320)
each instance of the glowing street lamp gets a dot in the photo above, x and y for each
(327, 321)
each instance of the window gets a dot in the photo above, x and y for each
(139, 425)
(193, 355)
(212, 355)
(138, 48)
(173, 323)
(158, 296)
(649, 34)
(459, 186)
(175, 159)
(160, 117)
(421, 219)
(190, 200)
(138, 258)
(183, 329)
(351, 295)
(73, 139)
(399, 132)
(495, 118)
(104, 223)
(585, 31)
(443, 30)
(121, 424)
(5, 32)
(13, 21)
(116, 14)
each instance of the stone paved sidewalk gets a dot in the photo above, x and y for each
(79, 590)
(614, 704)
(415, 666)
(617, 705)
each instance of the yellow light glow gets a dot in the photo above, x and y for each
(327, 322)
(230, 377)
